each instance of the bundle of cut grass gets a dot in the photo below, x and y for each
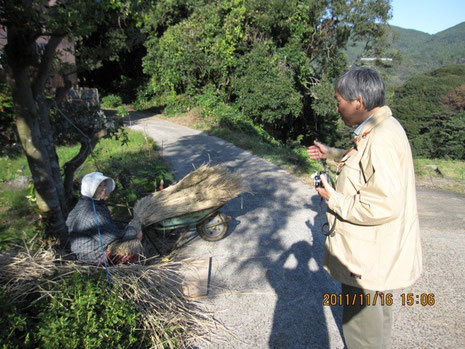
(207, 187)
(168, 318)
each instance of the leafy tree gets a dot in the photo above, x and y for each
(430, 106)
(447, 136)
(274, 102)
(111, 57)
(267, 57)
(28, 67)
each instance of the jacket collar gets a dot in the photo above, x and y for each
(97, 202)
(382, 114)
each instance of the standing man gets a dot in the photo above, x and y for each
(375, 245)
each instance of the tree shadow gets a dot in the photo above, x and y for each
(277, 246)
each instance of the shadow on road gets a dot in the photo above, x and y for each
(299, 320)
(277, 229)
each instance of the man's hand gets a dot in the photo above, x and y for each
(317, 151)
(327, 189)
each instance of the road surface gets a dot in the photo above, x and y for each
(267, 280)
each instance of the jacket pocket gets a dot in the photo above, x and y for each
(348, 180)
(360, 249)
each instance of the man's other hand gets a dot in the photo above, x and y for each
(327, 189)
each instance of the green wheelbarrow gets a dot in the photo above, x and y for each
(210, 224)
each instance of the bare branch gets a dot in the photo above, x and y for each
(87, 146)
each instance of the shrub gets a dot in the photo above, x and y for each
(212, 105)
(175, 104)
(121, 111)
(84, 313)
(144, 98)
(13, 332)
(111, 101)
(446, 138)
(78, 312)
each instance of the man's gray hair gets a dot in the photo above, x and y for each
(362, 82)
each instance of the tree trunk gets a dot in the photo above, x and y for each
(37, 156)
(38, 90)
(34, 129)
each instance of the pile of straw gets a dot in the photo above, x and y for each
(207, 187)
(153, 289)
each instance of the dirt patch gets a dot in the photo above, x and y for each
(441, 183)
(17, 183)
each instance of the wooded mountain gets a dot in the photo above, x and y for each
(419, 52)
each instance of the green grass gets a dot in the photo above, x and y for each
(13, 168)
(294, 158)
(452, 175)
(136, 168)
(18, 217)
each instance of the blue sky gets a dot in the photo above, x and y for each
(429, 16)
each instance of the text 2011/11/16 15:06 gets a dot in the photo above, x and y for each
(406, 299)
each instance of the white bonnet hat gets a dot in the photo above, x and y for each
(91, 181)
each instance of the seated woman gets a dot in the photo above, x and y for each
(91, 215)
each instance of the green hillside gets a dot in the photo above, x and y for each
(419, 52)
(407, 39)
(431, 107)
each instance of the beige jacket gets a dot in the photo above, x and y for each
(376, 241)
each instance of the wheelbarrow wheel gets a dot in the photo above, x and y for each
(213, 229)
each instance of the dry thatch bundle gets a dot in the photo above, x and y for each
(207, 187)
(154, 290)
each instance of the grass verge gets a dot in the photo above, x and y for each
(441, 173)
(291, 157)
(294, 159)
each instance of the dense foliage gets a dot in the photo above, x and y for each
(270, 61)
(9, 141)
(111, 57)
(432, 109)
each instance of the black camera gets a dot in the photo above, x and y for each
(317, 183)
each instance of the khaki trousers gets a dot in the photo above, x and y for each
(366, 325)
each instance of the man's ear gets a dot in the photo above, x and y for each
(359, 104)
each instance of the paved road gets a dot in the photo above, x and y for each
(267, 279)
